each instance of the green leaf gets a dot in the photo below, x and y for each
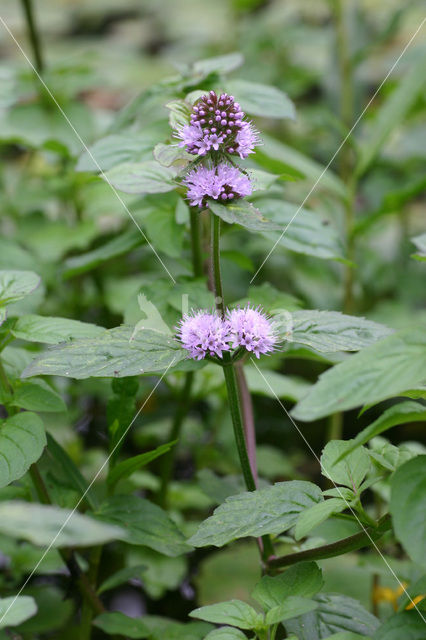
(218, 64)
(164, 232)
(303, 580)
(292, 607)
(116, 247)
(15, 285)
(271, 510)
(73, 474)
(115, 353)
(142, 177)
(407, 625)
(398, 414)
(392, 113)
(119, 624)
(170, 155)
(234, 612)
(122, 576)
(349, 471)
(37, 395)
(307, 232)
(317, 514)
(272, 384)
(348, 635)
(125, 469)
(162, 628)
(145, 523)
(16, 609)
(33, 328)
(383, 370)
(117, 149)
(334, 613)
(226, 633)
(286, 157)
(261, 99)
(22, 441)
(270, 298)
(3, 315)
(420, 243)
(331, 331)
(408, 507)
(45, 525)
(243, 213)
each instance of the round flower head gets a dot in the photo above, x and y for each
(217, 123)
(252, 329)
(223, 183)
(204, 333)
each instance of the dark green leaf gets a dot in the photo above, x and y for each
(71, 470)
(125, 469)
(234, 612)
(37, 395)
(116, 247)
(226, 633)
(408, 507)
(292, 607)
(407, 625)
(271, 510)
(115, 353)
(303, 580)
(334, 613)
(400, 413)
(383, 370)
(120, 624)
(122, 576)
(22, 440)
(145, 523)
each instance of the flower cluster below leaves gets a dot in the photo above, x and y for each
(204, 333)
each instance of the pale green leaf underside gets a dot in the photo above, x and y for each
(16, 609)
(15, 285)
(115, 352)
(383, 370)
(45, 525)
(142, 177)
(51, 330)
(243, 213)
(234, 612)
(331, 331)
(261, 100)
(22, 439)
(271, 510)
(316, 515)
(349, 471)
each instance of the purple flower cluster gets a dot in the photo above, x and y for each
(217, 123)
(206, 333)
(222, 183)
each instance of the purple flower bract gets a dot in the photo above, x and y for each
(252, 329)
(217, 123)
(204, 333)
(221, 183)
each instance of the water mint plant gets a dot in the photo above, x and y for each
(212, 342)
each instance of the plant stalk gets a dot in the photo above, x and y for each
(248, 418)
(184, 401)
(33, 35)
(234, 395)
(351, 543)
